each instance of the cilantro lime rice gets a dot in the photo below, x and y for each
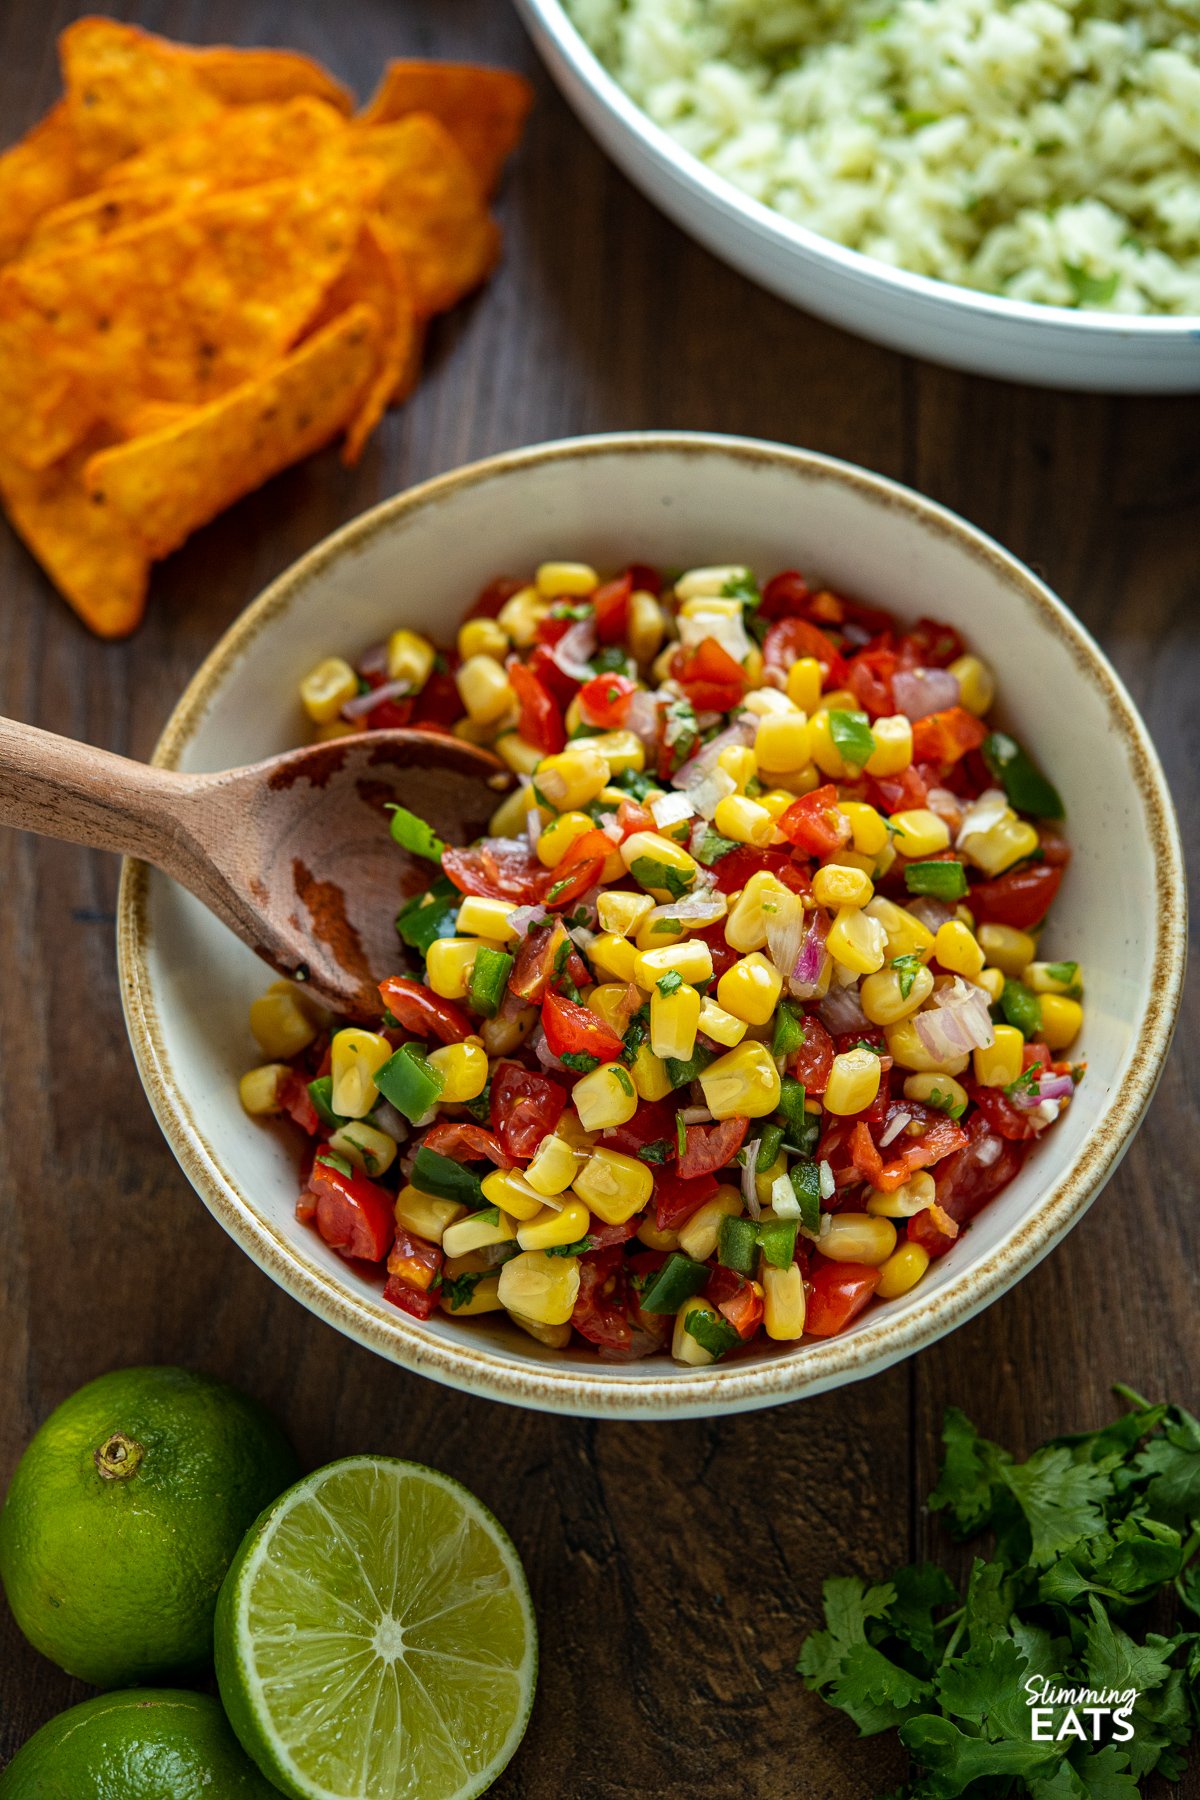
(1046, 150)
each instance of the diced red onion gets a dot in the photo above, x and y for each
(533, 827)
(828, 1184)
(809, 961)
(1049, 1087)
(785, 924)
(672, 809)
(695, 1115)
(642, 717)
(749, 1170)
(919, 692)
(933, 914)
(610, 828)
(524, 918)
(543, 1052)
(574, 649)
(386, 1119)
(365, 703)
(841, 1011)
(703, 906)
(946, 806)
(956, 1022)
(374, 661)
(894, 1128)
(706, 788)
(742, 731)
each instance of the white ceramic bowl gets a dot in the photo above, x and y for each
(669, 499)
(1052, 345)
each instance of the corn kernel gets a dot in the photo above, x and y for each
(476, 1231)
(776, 801)
(856, 941)
(258, 1089)
(566, 580)
(853, 1082)
(572, 779)
(654, 1239)
(655, 861)
(838, 884)
(783, 1302)
(684, 1347)
(958, 950)
(691, 959)
(370, 1151)
(423, 1215)
(326, 689)
(521, 615)
(541, 1288)
(621, 750)
(906, 936)
(609, 1000)
(744, 1080)
(513, 1193)
(858, 1238)
(902, 1271)
(739, 762)
(937, 1090)
(621, 911)
(409, 658)
(913, 1196)
(1067, 978)
(908, 1052)
(355, 1059)
(1007, 949)
(893, 750)
(1001, 845)
(869, 827)
(1000, 1063)
(992, 983)
(647, 623)
(712, 582)
(919, 833)
(448, 965)
(764, 701)
(764, 1185)
(464, 1067)
(804, 684)
(720, 1025)
(745, 821)
(614, 1186)
(555, 1226)
(781, 742)
(1062, 1020)
(559, 835)
(482, 637)
(552, 1168)
(750, 988)
(824, 751)
(337, 728)
(281, 1024)
(483, 1298)
(521, 757)
(613, 955)
(976, 684)
(698, 1234)
(556, 1337)
(882, 998)
(490, 919)
(674, 1021)
(651, 1077)
(605, 1098)
(763, 896)
(484, 689)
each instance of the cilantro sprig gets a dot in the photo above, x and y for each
(1086, 1533)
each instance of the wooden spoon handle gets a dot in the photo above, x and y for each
(76, 792)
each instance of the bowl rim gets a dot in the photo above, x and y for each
(734, 204)
(585, 1389)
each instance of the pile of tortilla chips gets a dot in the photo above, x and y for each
(210, 266)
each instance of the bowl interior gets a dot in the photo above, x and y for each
(670, 501)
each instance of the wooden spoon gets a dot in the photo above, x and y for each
(294, 854)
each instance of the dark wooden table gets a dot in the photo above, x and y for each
(675, 1568)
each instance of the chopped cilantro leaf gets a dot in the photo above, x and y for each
(579, 1248)
(652, 874)
(670, 983)
(713, 847)
(337, 1162)
(581, 1061)
(852, 736)
(459, 1290)
(907, 968)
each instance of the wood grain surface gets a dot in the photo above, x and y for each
(676, 1568)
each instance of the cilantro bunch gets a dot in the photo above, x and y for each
(1091, 1584)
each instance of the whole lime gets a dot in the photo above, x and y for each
(124, 1515)
(146, 1744)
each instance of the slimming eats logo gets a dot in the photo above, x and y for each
(1107, 1709)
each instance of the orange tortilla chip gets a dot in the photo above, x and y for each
(378, 278)
(38, 173)
(126, 89)
(244, 77)
(82, 223)
(429, 208)
(484, 110)
(168, 484)
(246, 144)
(181, 308)
(94, 558)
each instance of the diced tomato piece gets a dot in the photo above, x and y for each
(573, 1030)
(417, 1301)
(712, 679)
(580, 869)
(464, 1142)
(600, 1313)
(306, 1206)
(542, 960)
(541, 722)
(423, 1012)
(733, 870)
(942, 737)
(561, 686)
(611, 603)
(737, 1299)
(676, 1200)
(941, 1138)
(1022, 897)
(812, 1063)
(1006, 1119)
(711, 1147)
(604, 701)
(869, 678)
(489, 601)
(814, 824)
(296, 1101)
(498, 870)
(791, 639)
(526, 1107)
(414, 1259)
(896, 793)
(930, 645)
(652, 1123)
(354, 1215)
(967, 1181)
(837, 1293)
(785, 596)
(1055, 848)
(632, 817)
(438, 702)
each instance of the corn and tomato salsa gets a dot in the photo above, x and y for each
(736, 1017)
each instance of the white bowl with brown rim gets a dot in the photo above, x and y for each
(670, 499)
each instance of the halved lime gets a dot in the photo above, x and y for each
(375, 1639)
